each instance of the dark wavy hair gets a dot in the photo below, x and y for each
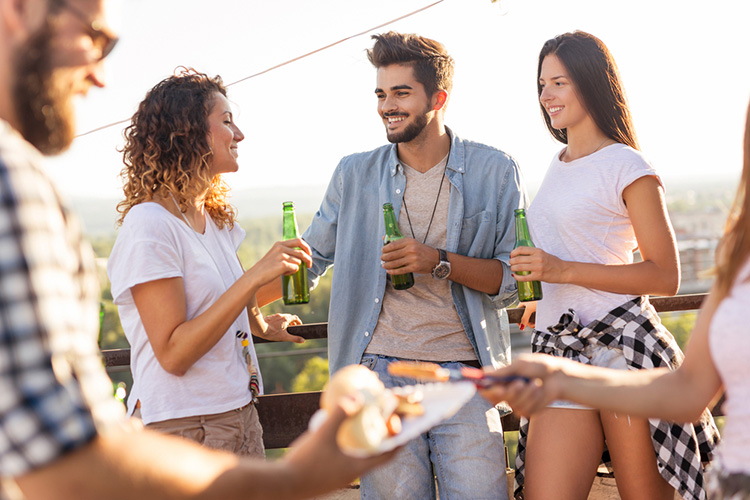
(432, 65)
(167, 147)
(597, 83)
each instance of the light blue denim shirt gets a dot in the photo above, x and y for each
(486, 187)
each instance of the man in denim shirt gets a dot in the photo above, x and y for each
(455, 201)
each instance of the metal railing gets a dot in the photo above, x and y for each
(285, 416)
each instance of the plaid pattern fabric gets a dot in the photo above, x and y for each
(682, 450)
(53, 388)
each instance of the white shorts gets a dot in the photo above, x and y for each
(600, 356)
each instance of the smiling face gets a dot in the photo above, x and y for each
(223, 136)
(403, 105)
(559, 96)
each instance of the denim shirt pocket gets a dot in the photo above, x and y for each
(477, 238)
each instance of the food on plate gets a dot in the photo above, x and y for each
(409, 401)
(381, 412)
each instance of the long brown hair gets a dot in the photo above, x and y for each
(167, 147)
(734, 247)
(597, 82)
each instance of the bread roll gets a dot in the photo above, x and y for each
(365, 430)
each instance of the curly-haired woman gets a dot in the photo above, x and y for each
(185, 302)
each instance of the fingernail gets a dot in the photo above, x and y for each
(522, 326)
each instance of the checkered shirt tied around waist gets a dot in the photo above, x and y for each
(682, 450)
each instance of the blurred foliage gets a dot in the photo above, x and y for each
(680, 324)
(102, 245)
(313, 377)
(263, 232)
(281, 362)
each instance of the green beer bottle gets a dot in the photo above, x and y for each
(399, 281)
(295, 287)
(527, 290)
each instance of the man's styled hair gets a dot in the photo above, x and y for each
(432, 65)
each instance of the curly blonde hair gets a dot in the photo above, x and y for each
(167, 147)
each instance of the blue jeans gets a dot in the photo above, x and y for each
(465, 453)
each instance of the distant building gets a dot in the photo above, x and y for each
(698, 234)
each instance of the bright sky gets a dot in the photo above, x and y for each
(683, 62)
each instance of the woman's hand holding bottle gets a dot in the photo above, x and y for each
(540, 265)
(283, 258)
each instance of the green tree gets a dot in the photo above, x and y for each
(313, 377)
(281, 362)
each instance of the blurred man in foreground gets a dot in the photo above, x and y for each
(62, 435)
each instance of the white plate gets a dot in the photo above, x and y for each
(441, 401)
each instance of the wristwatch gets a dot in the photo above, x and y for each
(443, 269)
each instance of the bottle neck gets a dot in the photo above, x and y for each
(391, 224)
(522, 230)
(290, 225)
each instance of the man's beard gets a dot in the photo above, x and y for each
(411, 131)
(44, 110)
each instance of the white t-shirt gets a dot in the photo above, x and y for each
(729, 344)
(154, 244)
(579, 215)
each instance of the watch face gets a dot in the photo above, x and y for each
(441, 271)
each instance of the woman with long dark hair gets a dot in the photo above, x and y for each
(600, 201)
(716, 363)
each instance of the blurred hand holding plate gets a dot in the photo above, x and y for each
(441, 401)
